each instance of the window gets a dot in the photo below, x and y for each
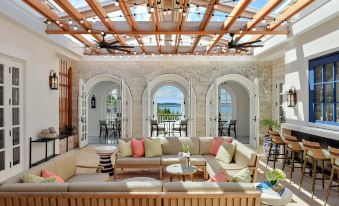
(225, 112)
(112, 105)
(281, 102)
(324, 89)
(65, 95)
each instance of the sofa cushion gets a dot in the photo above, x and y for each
(47, 173)
(207, 187)
(173, 145)
(138, 147)
(96, 177)
(242, 176)
(29, 178)
(152, 147)
(50, 165)
(206, 144)
(214, 166)
(34, 187)
(125, 148)
(133, 186)
(66, 165)
(243, 155)
(138, 161)
(197, 160)
(217, 142)
(225, 153)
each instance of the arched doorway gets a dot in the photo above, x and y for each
(233, 97)
(185, 103)
(106, 85)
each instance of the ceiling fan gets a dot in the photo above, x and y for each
(242, 47)
(110, 46)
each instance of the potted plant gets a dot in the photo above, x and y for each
(275, 176)
(270, 124)
(185, 154)
(68, 130)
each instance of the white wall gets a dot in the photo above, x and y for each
(320, 41)
(94, 115)
(39, 57)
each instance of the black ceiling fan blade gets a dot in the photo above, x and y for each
(113, 42)
(116, 46)
(250, 42)
(253, 46)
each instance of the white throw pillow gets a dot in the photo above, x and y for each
(242, 176)
(125, 149)
(225, 153)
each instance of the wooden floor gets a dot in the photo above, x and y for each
(87, 156)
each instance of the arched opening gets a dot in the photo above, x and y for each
(169, 108)
(174, 98)
(113, 106)
(232, 100)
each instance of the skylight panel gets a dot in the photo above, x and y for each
(78, 3)
(132, 42)
(89, 37)
(140, 12)
(258, 4)
(54, 6)
(116, 16)
(73, 40)
(187, 40)
(218, 16)
(196, 13)
(149, 40)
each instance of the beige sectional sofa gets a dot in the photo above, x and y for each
(200, 149)
(150, 193)
(65, 166)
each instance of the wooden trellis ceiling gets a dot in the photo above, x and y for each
(167, 23)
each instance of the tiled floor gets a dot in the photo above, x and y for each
(87, 156)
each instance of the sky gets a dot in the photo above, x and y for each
(168, 94)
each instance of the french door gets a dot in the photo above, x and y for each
(82, 114)
(11, 117)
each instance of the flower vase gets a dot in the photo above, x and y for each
(187, 161)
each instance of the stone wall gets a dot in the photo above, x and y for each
(137, 73)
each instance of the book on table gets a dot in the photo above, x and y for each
(267, 188)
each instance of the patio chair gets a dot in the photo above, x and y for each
(181, 128)
(156, 127)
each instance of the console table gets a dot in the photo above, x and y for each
(41, 140)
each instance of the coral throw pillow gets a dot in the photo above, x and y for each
(222, 176)
(216, 144)
(138, 147)
(46, 174)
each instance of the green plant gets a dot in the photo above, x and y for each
(270, 123)
(275, 175)
(68, 129)
(186, 148)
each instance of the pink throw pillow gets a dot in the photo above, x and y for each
(222, 176)
(138, 147)
(46, 173)
(216, 144)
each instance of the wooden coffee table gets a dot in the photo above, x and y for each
(181, 171)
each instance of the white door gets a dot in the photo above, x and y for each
(212, 111)
(11, 118)
(82, 114)
(254, 133)
(125, 129)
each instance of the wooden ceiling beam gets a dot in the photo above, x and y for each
(238, 9)
(181, 22)
(75, 15)
(285, 16)
(204, 22)
(44, 10)
(155, 21)
(182, 32)
(262, 13)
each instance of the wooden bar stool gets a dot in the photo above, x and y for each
(294, 148)
(334, 155)
(276, 141)
(313, 153)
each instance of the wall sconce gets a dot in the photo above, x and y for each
(292, 97)
(93, 102)
(53, 80)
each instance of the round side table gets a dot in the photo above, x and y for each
(105, 153)
(181, 171)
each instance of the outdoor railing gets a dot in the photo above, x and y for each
(170, 117)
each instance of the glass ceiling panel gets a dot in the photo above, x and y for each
(82, 3)
(258, 4)
(218, 16)
(116, 16)
(196, 13)
(140, 12)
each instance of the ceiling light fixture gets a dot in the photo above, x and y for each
(116, 3)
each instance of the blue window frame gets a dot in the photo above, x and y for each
(324, 89)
